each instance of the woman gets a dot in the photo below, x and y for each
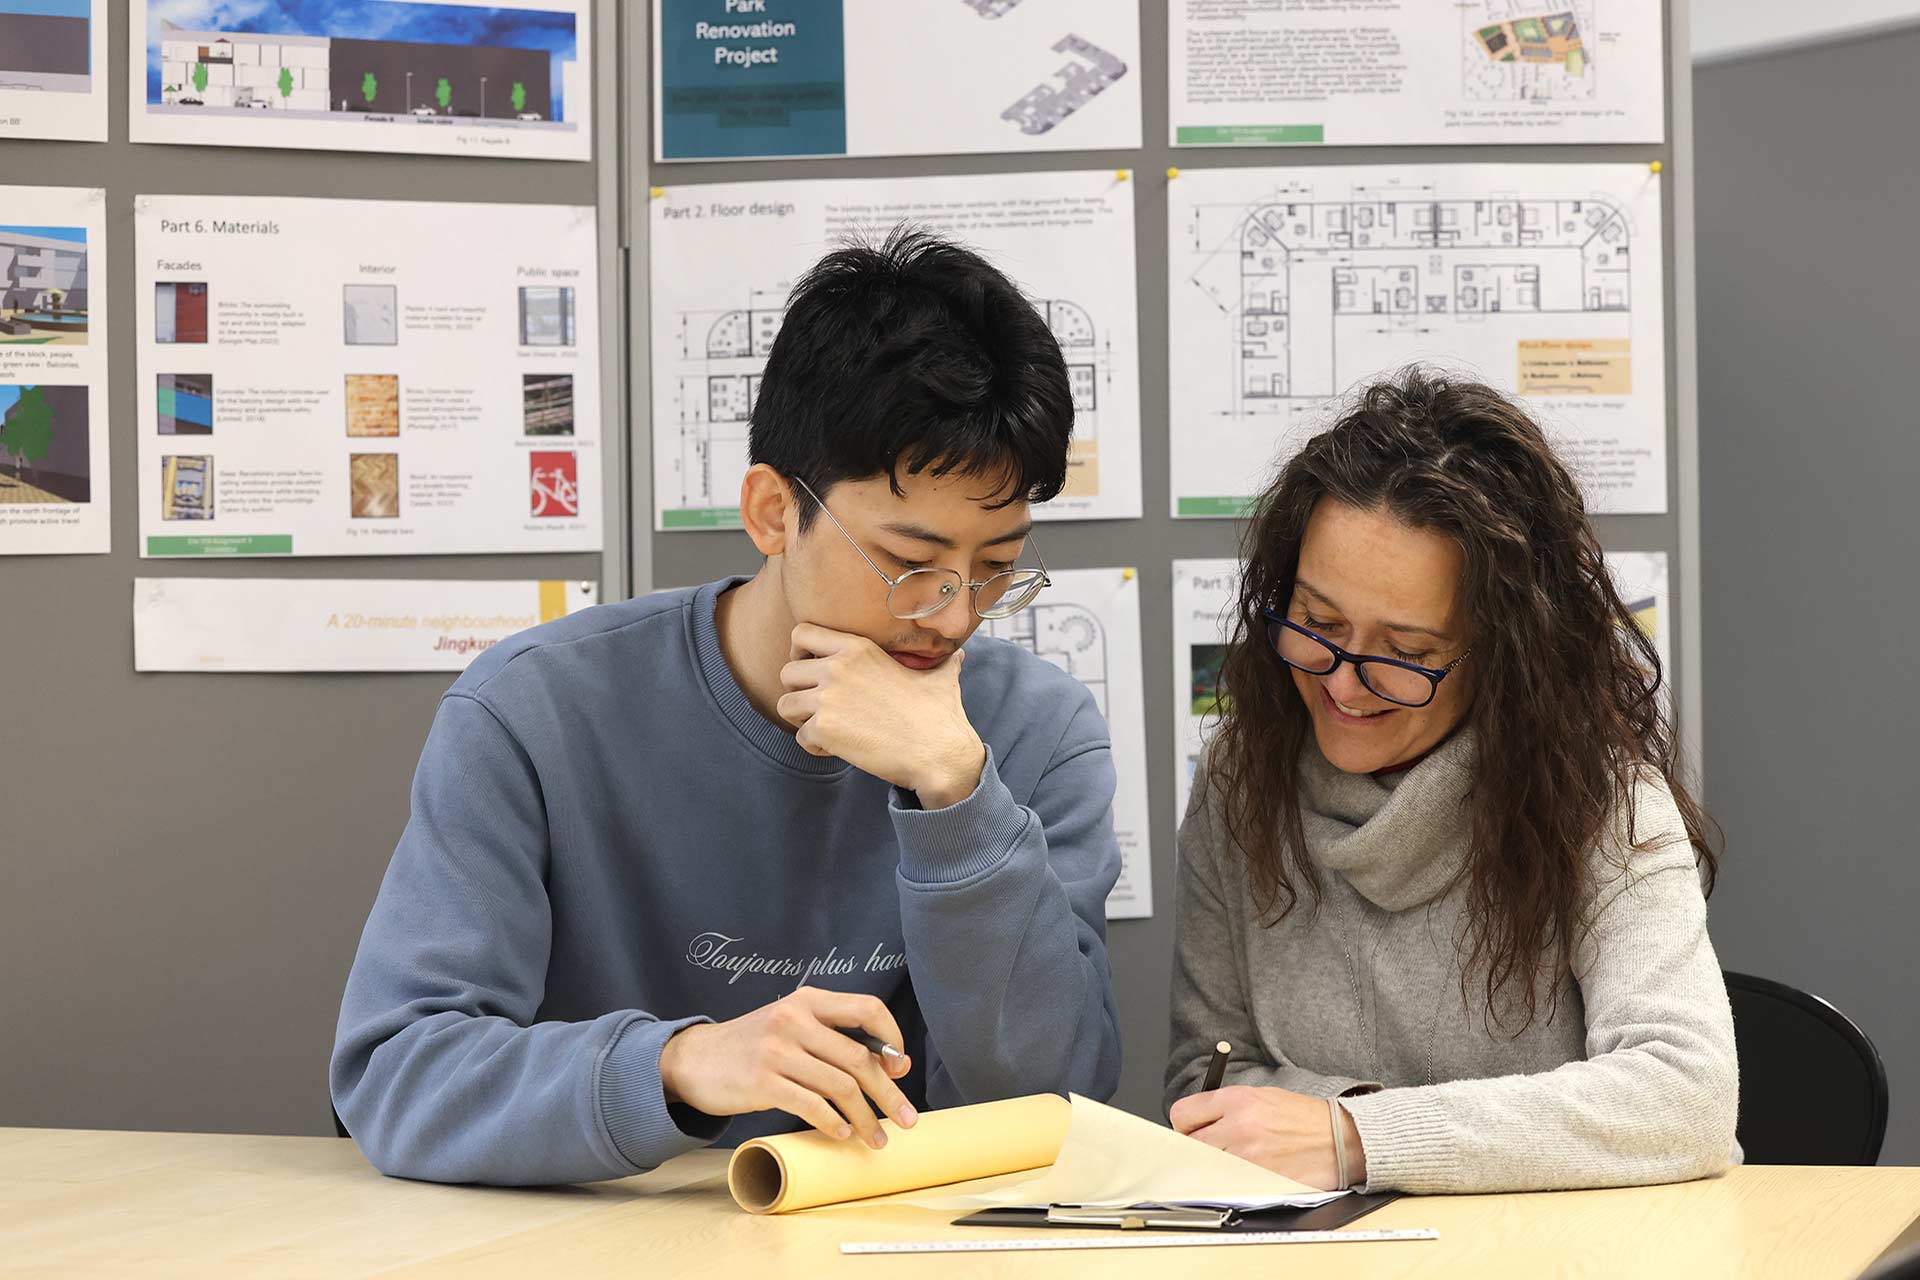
(1440, 878)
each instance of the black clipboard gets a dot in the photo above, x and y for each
(1327, 1217)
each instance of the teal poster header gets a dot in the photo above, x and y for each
(742, 78)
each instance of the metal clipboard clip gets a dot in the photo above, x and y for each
(1134, 1217)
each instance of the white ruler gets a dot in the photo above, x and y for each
(1133, 1240)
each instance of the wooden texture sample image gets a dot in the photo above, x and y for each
(376, 485)
(373, 404)
(547, 400)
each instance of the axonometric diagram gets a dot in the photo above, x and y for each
(1088, 72)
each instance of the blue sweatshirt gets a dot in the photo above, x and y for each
(608, 843)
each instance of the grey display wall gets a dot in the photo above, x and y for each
(1809, 178)
(1141, 949)
(186, 860)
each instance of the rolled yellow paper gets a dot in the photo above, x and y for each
(802, 1170)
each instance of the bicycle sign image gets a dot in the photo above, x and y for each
(554, 485)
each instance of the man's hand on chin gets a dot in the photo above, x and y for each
(901, 721)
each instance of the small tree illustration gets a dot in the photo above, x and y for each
(29, 431)
(369, 87)
(200, 76)
(519, 96)
(286, 83)
(443, 93)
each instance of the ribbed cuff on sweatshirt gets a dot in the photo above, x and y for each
(1410, 1144)
(946, 846)
(633, 1104)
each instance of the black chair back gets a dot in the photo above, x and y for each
(1904, 1265)
(1812, 1087)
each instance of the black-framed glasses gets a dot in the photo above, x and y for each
(921, 593)
(1406, 684)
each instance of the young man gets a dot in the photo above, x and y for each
(663, 852)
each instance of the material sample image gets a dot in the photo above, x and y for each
(547, 400)
(376, 485)
(554, 484)
(546, 316)
(180, 311)
(372, 314)
(186, 487)
(44, 454)
(184, 403)
(990, 8)
(43, 278)
(373, 404)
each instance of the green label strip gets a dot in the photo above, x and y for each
(215, 544)
(701, 518)
(1248, 135)
(1216, 508)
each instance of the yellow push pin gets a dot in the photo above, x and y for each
(1127, 575)
(1655, 167)
(1172, 173)
(1121, 176)
(658, 192)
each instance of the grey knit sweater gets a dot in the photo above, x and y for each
(1632, 1079)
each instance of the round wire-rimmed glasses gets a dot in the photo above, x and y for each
(1406, 684)
(921, 593)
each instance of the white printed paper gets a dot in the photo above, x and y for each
(1415, 72)
(336, 624)
(444, 77)
(55, 488)
(1641, 579)
(1204, 592)
(53, 72)
(1293, 288)
(726, 256)
(743, 79)
(1110, 1157)
(338, 378)
(1088, 624)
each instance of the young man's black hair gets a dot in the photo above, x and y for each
(913, 355)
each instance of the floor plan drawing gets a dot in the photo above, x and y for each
(1291, 289)
(1303, 277)
(1087, 623)
(1068, 635)
(1528, 51)
(1088, 72)
(722, 355)
(726, 258)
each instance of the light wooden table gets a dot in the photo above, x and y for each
(96, 1204)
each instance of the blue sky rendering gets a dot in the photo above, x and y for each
(372, 20)
(49, 8)
(76, 234)
(9, 396)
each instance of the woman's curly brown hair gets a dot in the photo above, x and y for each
(1566, 706)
